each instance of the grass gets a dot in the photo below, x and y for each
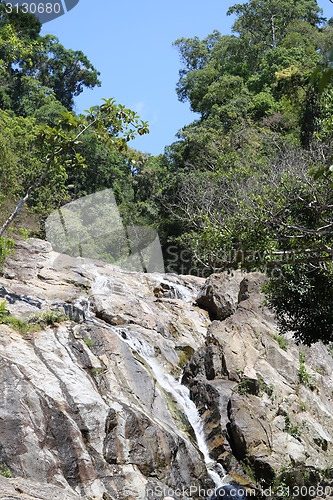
(293, 430)
(34, 323)
(283, 343)
(48, 318)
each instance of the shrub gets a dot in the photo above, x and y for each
(244, 387)
(303, 375)
(283, 343)
(6, 248)
(47, 318)
(5, 470)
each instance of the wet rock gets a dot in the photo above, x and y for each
(79, 407)
(229, 492)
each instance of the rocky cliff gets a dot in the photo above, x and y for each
(132, 386)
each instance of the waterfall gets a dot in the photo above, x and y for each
(167, 382)
(180, 394)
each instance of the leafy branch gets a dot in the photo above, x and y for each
(113, 124)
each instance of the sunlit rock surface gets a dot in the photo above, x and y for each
(91, 407)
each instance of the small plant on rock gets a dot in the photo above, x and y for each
(303, 375)
(7, 319)
(244, 387)
(88, 342)
(6, 248)
(5, 470)
(293, 430)
(283, 343)
(303, 406)
(48, 318)
(3, 311)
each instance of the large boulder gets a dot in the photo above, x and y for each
(219, 295)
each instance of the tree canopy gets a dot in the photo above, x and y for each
(252, 183)
(50, 155)
(247, 185)
(38, 66)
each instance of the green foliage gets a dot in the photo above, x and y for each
(3, 310)
(5, 471)
(42, 143)
(303, 406)
(15, 323)
(35, 70)
(65, 71)
(112, 124)
(47, 318)
(293, 430)
(34, 323)
(302, 300)
(88, 342)
(244, 387)
(242, 192)
(6, 248)
(97, 371)
(304, 376)
(265, 22)
(20, 170)
(283, 343)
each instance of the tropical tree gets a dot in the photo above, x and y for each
(32, 64)
(251, 185)
(113, 124)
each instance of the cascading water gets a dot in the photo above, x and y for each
(167, 382)
(180, 394)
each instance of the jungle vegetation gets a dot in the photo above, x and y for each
(247, 185)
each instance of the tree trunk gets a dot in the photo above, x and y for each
(27, 196)
(273, 31)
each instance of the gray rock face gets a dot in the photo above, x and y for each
(88, 407)
(261, 406)
(29, 490)
(219, 295)
(79, 407)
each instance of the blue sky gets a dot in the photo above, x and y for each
(130, 43)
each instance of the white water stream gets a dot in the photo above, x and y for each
(179, 393)
(167, 382)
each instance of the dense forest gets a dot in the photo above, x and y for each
(246, 185)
